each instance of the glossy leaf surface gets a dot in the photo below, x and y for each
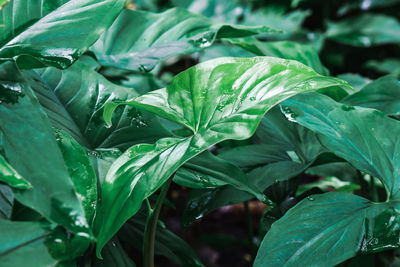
(382, 94)
(81, 172)
(208, 171)
(139, 40)
(217, 100)
(54, 38)
(305, 54)
(52, 193)
(281, 151)
(11, 176)
(366, 138)
(365, 30)
(74, 100)
(22, 242)
(324, 230)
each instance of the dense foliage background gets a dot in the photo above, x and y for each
(88, 140)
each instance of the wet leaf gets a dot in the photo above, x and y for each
(53, 33)
(139, 40)
(226, 97)
(328, 229)
(366, 138)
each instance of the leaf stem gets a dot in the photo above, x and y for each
(250, 227)
(375, 196)
(151, 227)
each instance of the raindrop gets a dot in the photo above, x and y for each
(310, 198)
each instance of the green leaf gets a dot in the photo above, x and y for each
(365, 30)
(166, 242)
(74, 99)
(209, 171)
(139, 40)
(382, 94)
(387, 66)
(53, 33)
(355, 80)
(11, 176)
(324, 230)
(218, 100)
(6, 202)
(203, 201)
(366, 138)
(114, 255)
(329, 183)
(31, 148)
(3, 3)
(81, 172)
(23, 242)
(277, 18)
(305, 54)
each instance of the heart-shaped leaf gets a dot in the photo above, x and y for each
(74, 100)
(139, 40)
(324, 230)
(217, 100)
(366, 138)
(382, 94)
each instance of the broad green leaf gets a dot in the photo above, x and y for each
(387, 66)
(51, 33)
(74, 99)
(209, 171)
(277, 18)
(102, 159)
(139, 40)
(365, 30)
(382, 94)
(282, 150)
(6, 202)
(324, 230)
(166, 242)
(81, 172)
(224, 50)
(113, 255)
(217, 100)
(203, 201)
(329, 183)
(31, 148)
(24, 242)
(355, 80)
(366, 138)
(11, 176)
(305, 54)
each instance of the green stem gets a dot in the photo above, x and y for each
(151, 227)
(250, 226)
(375, 196)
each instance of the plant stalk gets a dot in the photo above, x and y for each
(151, 227)
(250, 227)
